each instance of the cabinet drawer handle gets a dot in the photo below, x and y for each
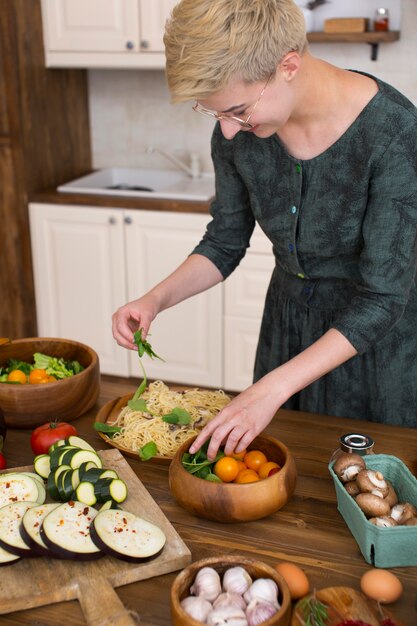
(144, 44)
(130, 45)
(112, 220)
(128, 220)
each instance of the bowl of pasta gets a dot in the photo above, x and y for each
(167, 417)
(232, 501)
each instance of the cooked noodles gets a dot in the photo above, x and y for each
(139, 428)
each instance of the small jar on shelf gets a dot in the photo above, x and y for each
(381, 21)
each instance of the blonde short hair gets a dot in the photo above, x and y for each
(209, 42)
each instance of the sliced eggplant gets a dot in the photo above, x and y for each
(7, 557)
(74, 440)
(31, 526)
(126, 536)
(66, 532)
(42, 465)
(11, 517)
(18, 488)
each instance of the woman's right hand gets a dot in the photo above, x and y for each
(129, 318)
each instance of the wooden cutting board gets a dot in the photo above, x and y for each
(345, 603)
(33, 582)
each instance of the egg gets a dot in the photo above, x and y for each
(295, 578)
(381, 585)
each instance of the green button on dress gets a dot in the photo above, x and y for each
(346, 258)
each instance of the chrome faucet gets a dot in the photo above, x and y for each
(193, 170)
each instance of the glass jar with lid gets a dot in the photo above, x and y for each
(354, 443)
(381, 21)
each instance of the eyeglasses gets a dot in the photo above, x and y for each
(198, 108)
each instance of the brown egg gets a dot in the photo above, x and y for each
(295, 578)
(381, 585)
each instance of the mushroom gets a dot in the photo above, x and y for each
(403, 512)
(391, 497)
(411, 522)
(385, 521)
(372, 505)
(370, 481)
(348, 466)
(352, 488)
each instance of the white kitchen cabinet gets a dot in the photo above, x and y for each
(244, 297)
(89, 261)
(105, 33)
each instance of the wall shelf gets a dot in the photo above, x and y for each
(373, 38)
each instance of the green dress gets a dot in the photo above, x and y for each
(343, 228)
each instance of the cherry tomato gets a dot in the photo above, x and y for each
(3, 463)
(44, 436)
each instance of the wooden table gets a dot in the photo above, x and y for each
(309, 531)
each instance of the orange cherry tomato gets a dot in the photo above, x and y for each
(254, 459)
(266, 468)
(242, 466)
(226, 469)
(51, 379)
(17, 376)
(38, 376)
(246, 476)
(239, 455)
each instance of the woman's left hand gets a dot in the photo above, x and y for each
(247, 415)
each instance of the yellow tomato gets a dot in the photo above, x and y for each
(17, 376)
(38, 376)
(254, 459)
(246, 476)
(226, 469)
(266, 468)
(239, 455)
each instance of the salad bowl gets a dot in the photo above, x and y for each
(30, 405)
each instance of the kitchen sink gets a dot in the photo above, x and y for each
(143, 183)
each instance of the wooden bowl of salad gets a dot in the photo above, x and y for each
(234, 501)
(44, 379)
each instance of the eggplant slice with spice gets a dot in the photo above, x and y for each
(66, 532)
(31, 526)
(127, 536)
(11, 517)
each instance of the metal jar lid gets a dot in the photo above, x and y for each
(382, 12)
(356, 442)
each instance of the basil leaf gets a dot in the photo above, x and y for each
(213, 478)
(177, 416)
(148, 451)
(106, 428)
(138, 405)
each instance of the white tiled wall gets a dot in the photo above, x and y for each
(130, 109)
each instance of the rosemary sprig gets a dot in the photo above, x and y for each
(314, 611)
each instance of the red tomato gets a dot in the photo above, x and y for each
(44, 436)
(3, 463)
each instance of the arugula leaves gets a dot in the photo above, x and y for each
(199, 465)
(144, 347)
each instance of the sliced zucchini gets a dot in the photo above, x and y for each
(74, 440)
(84, 467)
(64, 485)
(42, 465)
(112, 489)
(31, 525)
(85, 493)
(95, 474)
(11, 517)
(18, 488)
(81, 456)
(57, 444)
(56, 456)
(66, 532)
(52, 483)
(126, 536)
(66, 456)
(109, 504)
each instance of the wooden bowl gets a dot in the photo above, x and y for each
(232, 502)
(28, 406)
(256, 569)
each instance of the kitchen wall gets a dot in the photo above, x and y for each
(130, 110)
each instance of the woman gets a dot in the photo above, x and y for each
(325, 160)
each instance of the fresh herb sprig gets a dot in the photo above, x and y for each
(198, 463)
(313, 611)
(144, 347)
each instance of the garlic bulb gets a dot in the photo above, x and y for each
(229, 599)
(197, 607)
(263, 589)
(207, 584)
(227, 616)
(236, 580)
(259, 611)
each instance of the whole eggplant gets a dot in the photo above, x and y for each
(3, 428)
